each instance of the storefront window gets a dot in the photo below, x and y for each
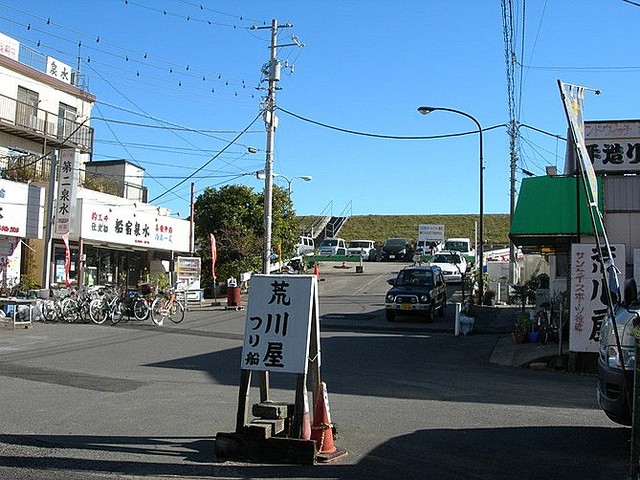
(104, 266)
(59, 272)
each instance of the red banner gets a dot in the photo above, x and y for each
(214, 256)
(67, 259)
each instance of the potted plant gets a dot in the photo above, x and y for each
(489, 297)
(522, 327)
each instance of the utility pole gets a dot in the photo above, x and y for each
(270, 123)
(272, 71)
(513, 259)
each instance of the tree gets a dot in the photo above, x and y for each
(235, 215)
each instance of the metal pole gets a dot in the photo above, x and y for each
(270, 122)
(49, 216)
(426, 110)
(191, 223)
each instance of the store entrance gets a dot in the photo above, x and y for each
(108, 266)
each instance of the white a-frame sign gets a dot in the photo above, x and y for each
(282, 310)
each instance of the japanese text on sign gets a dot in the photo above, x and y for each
(588, 296)
(278, 323)
(67, 184)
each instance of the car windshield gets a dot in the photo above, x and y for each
(359, 244)
(446, 259)
(329, 243)
(396, 241)
(457, 246)
(415, 277)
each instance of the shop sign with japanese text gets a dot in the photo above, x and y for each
(9, 47)
(281, 311)
(128, 226)
(59, 70)
(67, 187)
(13, 208)
(614, 146)
(588, 302)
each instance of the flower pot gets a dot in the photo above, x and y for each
(532, 337)
(519, 337)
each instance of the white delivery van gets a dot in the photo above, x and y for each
(332, 246)
(305, 246)
(461, 245)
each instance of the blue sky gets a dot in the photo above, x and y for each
(175, 82)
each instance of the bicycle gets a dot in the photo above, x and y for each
(61, 306)
(551, 319)
(135, 305)
(108, 306)
(167, 305)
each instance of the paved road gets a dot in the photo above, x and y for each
(138, 401)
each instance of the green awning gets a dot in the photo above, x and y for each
(546, 213)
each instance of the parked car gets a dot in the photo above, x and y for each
(452, 264)
(424, 247)
(332, 246)
(361, 247)
(396, 249)
(417, 290)
(615, 384)
(305, 246)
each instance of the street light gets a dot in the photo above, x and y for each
(261, 175)
(426, 111)
(306, 178)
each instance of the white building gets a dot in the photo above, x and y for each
(45, 117)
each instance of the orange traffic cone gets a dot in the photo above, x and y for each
(316, 271)
(321, 430)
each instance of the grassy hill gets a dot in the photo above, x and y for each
(381, 227)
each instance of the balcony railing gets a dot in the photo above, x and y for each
(24, 168)
(24, 120)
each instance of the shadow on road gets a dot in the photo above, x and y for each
(496, 453)
(435, 367)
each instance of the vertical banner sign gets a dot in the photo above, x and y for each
(67, 186)
(572, 96)
(214, 256)
(67, 259)
(588, 296)
(280, 309)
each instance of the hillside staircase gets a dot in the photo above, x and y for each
(327, 224)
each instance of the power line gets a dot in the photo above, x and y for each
(232, 142)
(388, 137)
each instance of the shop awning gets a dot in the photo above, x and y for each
(546, 212)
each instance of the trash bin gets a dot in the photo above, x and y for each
(233, 296)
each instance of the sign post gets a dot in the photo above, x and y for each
(282, 335)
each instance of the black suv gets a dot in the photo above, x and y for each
(417, 290)
(396, 249)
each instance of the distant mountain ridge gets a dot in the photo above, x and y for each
(381, 227)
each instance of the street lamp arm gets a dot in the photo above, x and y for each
(428, 110)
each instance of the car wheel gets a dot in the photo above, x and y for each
(390, 315)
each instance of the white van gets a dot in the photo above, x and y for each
(461, 245)
(361, 247)
(305, 246)
(332, 246)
